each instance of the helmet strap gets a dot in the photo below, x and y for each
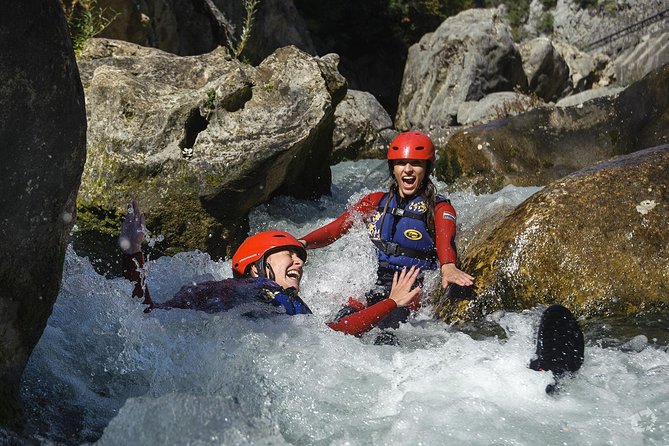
(265, 269)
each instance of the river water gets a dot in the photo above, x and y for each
(106, 373)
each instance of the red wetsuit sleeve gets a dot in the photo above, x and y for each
(327, 234)
(364, 320)
(444, 228)
(132, 265)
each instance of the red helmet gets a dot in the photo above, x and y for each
(411, 146)
(259, 246)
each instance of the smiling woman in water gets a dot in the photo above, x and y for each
(411, 225)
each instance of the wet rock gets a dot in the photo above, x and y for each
(594, 241)
(43, 134)
(201, 140)
(363, 128)
(548, 143)
(469, 56)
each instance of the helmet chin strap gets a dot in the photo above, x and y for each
(262, 265)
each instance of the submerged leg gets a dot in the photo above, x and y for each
(560, 344)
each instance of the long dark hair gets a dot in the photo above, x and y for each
(427, 190)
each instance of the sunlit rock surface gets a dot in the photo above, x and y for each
(363, 128)
(469, 56)
(595, 241)
(43, 143)
(201, 140)
(548, 143)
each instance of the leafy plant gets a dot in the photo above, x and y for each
(545, 24)
(237, 48)
(85, 19)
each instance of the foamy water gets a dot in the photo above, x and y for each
(107, 373)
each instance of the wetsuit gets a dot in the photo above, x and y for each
(221, 295)
(401, 236)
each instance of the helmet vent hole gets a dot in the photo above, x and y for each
(420, 148)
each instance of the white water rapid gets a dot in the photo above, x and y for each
(107, 373)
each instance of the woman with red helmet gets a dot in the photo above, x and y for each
(267, 268)
(411, 225)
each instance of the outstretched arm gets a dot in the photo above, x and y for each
(130, 241)
(401, 295)
(444, 225)
(329, 233)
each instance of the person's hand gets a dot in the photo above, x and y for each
(303, 242)
(133, 230)
(401, 291)
(451, 274)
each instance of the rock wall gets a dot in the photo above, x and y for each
(547, 143)
(43, 134)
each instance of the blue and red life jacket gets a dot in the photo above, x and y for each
(401, 235)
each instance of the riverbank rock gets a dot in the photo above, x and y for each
(548, 143)
(363, 128)
(201, 140)
(43, 134)
(595, 241)
(466, 58)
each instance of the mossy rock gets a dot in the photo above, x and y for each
(595, 241)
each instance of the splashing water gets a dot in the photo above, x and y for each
(107, 373)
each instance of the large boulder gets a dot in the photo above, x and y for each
(548, 143)
(469, 56)
(363, 128)
(187, 27)
(546, 70)
(43, 134)
(201, 140)
(595, 241)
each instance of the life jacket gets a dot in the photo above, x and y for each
(286, 298)
(401, 236)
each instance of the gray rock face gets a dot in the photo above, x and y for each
(547, 143)
(187, 27)
(564, 245)
(493, 106)
(581, 66)
(43, 134)
(582, 26)
(466, 58)
(635, 63)
(201, 140)
(363, 128)
(546, 70)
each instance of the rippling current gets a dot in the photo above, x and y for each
(106, 373)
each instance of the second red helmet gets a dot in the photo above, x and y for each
(411, 145)
(261, 245)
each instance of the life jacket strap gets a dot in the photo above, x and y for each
(394, 249)
(399, 212)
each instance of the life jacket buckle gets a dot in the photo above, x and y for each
(392, 248)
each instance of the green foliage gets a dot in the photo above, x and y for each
(85, 21)
(414, 18)
(237, 48)
(545, 24)
(587, 3)
(518, 12)
(210, 104)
